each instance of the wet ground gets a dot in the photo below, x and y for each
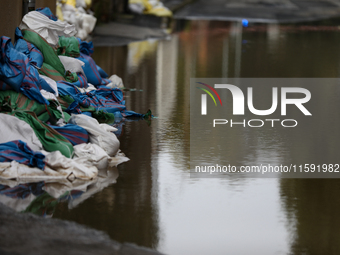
(152, 201)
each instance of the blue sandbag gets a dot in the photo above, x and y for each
(19, 151)
(85, 47)
(13, 64)
(102, 73)
(34, 55)
(90, 69)
(74, 133)
(47, 12)
(16, 72)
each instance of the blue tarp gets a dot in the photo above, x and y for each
(19, 151)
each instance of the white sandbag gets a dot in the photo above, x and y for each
(89, 22)
(69, 14)
(72, 64)
(116, 82)
(58, 167)
(50, 82)
(46, 28)
(79, 168)
(98, 134)
(91, 153)
(13, 128)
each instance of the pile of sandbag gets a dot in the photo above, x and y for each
(55, 103)
(151, 7)
(76, 12)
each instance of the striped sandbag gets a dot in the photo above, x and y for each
(74, 133)
(20, 152)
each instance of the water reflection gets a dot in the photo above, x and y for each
(182, 215)
(312, 208)
(42, 198)
(156, 204)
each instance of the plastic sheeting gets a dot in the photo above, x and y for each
(48, 29)
(13, 128)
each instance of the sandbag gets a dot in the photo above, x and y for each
(68, 46)
(46, 28)
(13, 64)
(17, 73)
(58, 167)
(75, 134)
(51, 83)
(93, 153)
(50, 139)
(50, 55)
(72, 64)
(13, 128)
(30, 50)
(116, 82)
(100, 134)
(90, 69)
(19, 151)
(47, 12)
(11, 101)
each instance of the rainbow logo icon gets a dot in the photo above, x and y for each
(204, 97)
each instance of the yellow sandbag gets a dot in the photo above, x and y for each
(88, 3)
(71, 2)
(159, 11)
(59, 12)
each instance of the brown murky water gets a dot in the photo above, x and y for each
(155, 203)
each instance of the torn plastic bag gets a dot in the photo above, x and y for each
(46, 28)
(100, 134)
(13, 128)
(19, 151)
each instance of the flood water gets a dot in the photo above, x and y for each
(155, 203)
